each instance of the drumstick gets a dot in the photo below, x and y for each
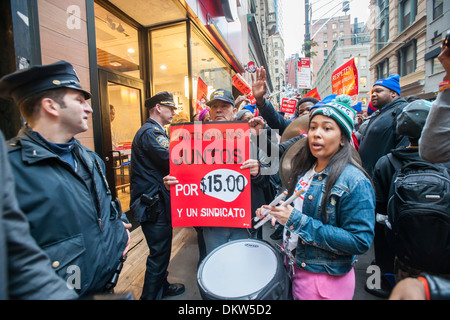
(284, 204)
(273, 203)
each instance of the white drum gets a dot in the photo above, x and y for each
(244, 269)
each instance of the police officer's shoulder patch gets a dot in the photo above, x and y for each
(163, 141)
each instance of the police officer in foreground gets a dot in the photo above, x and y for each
(150, 201)
(60, 185)
(25, 270)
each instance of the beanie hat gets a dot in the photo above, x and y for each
(392, 82)
(250, 107)
(325, 100)
(412, 119)
(358, 107)
(340, 111)
(241, 113)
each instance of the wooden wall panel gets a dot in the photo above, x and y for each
(59, 41)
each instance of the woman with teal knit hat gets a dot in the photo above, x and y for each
(332, 222)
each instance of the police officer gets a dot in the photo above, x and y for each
(25, 270)
(60, 185)
(150, 201)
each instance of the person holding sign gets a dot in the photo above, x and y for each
(333, 220)
(222, 108)
(150, 201)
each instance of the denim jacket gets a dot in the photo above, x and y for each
(332, 247)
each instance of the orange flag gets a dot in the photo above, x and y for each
(313, 93)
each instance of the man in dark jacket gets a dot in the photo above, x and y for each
(60, 185)
(377, 139)
(25, 270)
(150, 201)
(410, 124)
(379, 136)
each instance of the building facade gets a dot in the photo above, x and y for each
(339, 55)
(398, 43)
(438, 17)
(327, 33)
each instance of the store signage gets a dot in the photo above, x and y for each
(251, 67)
(212, 190)
(344, 80)
(304, 73)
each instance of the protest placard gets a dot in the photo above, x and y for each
(212, 190)
(344, 80)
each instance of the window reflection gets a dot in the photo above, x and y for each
(209, 71)
(169, 66)
(117, 43)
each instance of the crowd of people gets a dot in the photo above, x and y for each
(63, 236)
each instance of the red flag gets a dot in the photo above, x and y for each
(313, 93)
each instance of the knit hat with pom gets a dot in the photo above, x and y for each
(339, 110)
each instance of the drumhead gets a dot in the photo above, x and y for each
(238, 269)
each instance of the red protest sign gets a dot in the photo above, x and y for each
(344, 80)
(206, 160)
(288, 105)
(242, 85)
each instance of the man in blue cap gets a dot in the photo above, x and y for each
(379, 136)
(60, 184)
(378, 139)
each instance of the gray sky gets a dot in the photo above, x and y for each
(294, 18)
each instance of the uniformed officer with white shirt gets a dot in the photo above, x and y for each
(150, 201)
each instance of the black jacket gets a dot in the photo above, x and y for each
(380, 135)
(149, 165)
(69, 212)
(439, 287)
(25, 270)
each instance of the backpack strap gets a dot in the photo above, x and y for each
(396, 163)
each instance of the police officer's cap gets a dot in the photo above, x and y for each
(164, 98)
(23, 84)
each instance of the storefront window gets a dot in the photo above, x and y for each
(209, 71)
(125, 120)
(117, 43)
(170, 68)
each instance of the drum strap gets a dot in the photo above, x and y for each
(289, 254)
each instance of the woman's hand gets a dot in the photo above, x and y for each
(279, 213)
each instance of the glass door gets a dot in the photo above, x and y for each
(122, 100)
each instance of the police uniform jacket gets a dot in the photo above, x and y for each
(149, 165)
(69, 212)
